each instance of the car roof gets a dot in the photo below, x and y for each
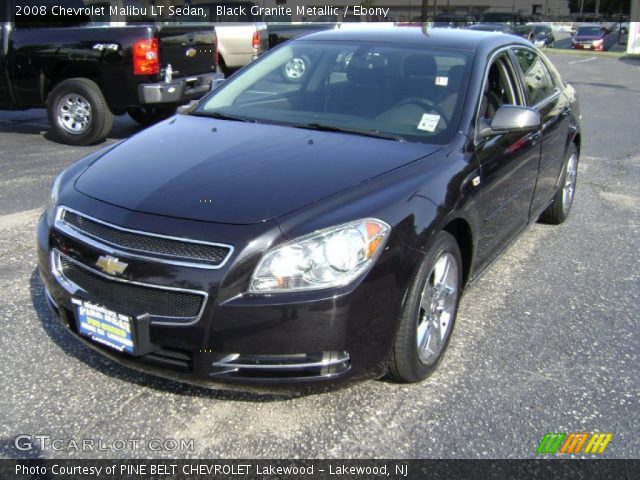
(459, 39)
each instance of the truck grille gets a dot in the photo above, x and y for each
(172, 250)
(163, 305)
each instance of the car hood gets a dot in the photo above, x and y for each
(583, 38)
(233, 172)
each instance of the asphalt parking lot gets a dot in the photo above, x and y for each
(546, 341)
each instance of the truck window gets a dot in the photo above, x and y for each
(46, 13)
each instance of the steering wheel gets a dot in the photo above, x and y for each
(426, 105)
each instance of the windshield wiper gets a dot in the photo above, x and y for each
(223, 116)
(354, 131)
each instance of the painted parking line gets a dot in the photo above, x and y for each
(580, 61)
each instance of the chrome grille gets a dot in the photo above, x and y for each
(172, 250)
(163, 305)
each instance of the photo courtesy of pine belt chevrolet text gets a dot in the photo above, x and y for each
(316, 217)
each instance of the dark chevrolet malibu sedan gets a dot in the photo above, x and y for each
(317, 216)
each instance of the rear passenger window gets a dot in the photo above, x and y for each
(536, 76)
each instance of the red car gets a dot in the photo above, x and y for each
(589, 37)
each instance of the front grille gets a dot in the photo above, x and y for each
(159, 303)
(182, 249)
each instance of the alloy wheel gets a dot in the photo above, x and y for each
(437, 308)
(569, 182)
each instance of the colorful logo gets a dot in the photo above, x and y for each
(573, 443)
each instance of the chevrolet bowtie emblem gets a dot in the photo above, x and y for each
(191, 52)
(111, 265)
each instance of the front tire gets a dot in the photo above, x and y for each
(558, 211)
(429, 313)
(78, 112)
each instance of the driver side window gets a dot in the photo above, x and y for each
(536, 76)
(499, 89)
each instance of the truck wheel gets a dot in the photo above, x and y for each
(78, 112)
(149, 115)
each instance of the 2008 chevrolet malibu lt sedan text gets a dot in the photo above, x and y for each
(316, 217)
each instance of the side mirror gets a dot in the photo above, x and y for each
(217, 82)
(512, 118)
(188, 108)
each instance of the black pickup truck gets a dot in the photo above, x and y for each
(52, 56)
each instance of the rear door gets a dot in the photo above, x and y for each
(190, 49)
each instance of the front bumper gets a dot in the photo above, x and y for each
(597, 48)
(320, 337)
(177, 91)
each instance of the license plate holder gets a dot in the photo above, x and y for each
(105, 327)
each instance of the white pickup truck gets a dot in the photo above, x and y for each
(242, 35)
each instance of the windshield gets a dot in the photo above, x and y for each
(590, 31)
(397, 91)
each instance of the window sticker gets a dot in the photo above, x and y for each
(429, 122)
(442, 81)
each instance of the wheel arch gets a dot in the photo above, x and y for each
(66, 71)
(460, 229)
(577, 139)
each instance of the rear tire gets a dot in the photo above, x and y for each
(149, 115)
(429, 313)
(558, 211)
(78, 112)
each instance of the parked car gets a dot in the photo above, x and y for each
(542, 36)
(493, 27)
(85, 74)
(589, 37)
(452, 21)
(516, 22)
(313, 229)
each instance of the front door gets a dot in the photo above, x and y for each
(508, 163)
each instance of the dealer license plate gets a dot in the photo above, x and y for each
(105, 326)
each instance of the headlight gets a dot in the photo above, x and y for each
(327, 258)
(55, 190)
